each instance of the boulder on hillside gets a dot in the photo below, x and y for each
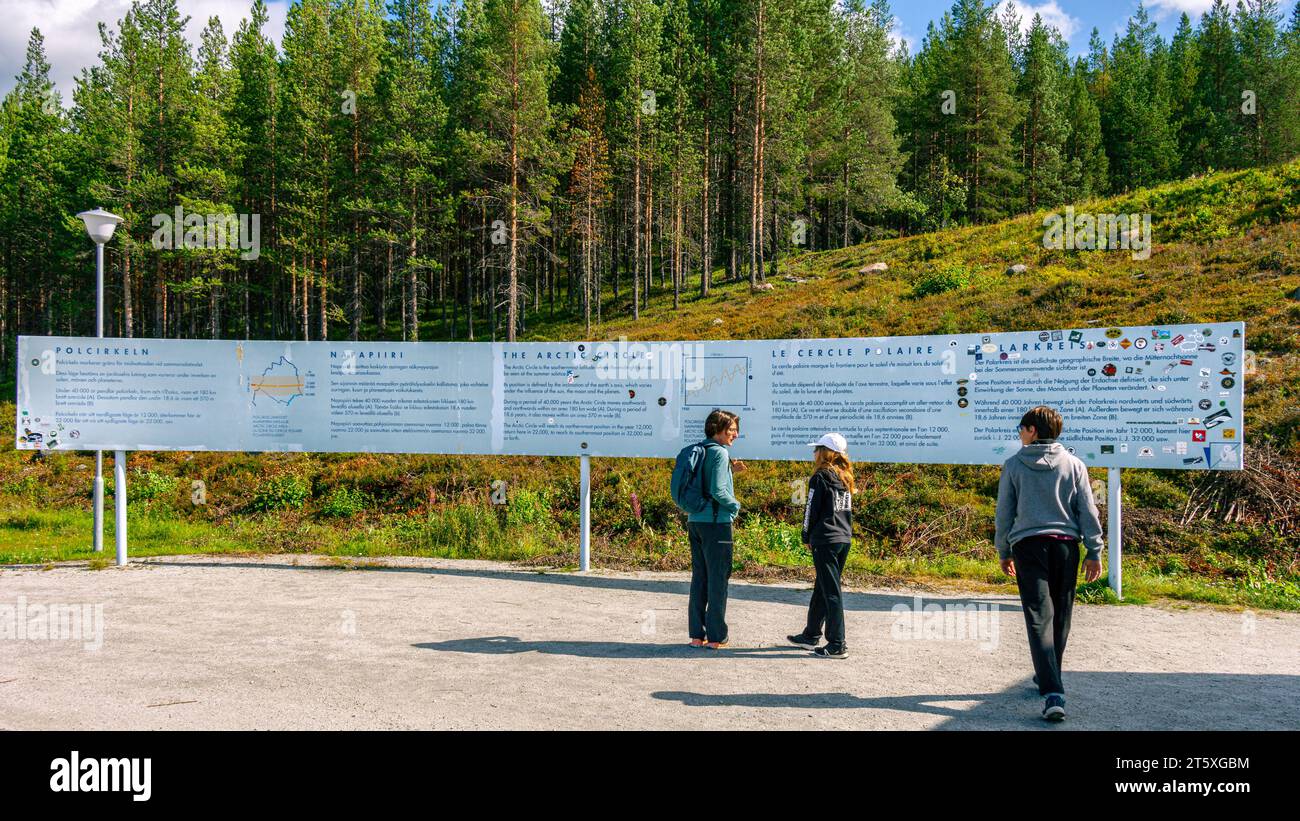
(763, 286)
(874, 268)
(1018, 268)
(717, 320)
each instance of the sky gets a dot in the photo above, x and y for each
(72, 42)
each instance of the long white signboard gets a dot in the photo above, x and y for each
(1160, 397)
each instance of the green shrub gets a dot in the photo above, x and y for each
(283, 492)
(941, 280)
(28, 487)
(148, 485)
(142, 485)
(529, 508)
(344, 502)
(1149, 489)
(766, 541)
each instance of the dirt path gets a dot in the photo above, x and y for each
(240, 643)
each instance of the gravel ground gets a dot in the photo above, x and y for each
(285, 642)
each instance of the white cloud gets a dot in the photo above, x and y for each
(1164, 9)
(899, 34)
(1053, 15)
(71, 31)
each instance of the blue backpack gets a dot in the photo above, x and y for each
(687, 486)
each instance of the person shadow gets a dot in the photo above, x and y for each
(510, 645)
(1095, 700)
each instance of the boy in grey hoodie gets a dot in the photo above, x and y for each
(1045, 507)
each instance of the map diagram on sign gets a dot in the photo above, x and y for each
(281, 382)
(722, 381)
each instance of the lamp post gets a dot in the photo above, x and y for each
(100, 225)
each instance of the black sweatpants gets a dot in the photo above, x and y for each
(827, 603)
(711, 548)
(1047, 571)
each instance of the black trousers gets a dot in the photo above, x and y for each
(1047, 571)
(711, 549)
(827, 604)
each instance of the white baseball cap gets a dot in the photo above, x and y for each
(832, 441)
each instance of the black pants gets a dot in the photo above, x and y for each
(827, 603)
(1047, 571)
(711, 545)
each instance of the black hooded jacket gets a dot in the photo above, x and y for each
(828, 513)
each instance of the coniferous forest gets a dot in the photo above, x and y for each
(460, 170)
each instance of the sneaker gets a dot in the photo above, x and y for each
(827, 651)
(800, 640)
(697, 642)
(1054, 708)
(715, 645)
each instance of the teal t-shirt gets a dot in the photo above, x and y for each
(717, 481)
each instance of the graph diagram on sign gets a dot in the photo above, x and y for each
(281, 382)
(716, 381)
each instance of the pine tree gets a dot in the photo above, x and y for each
(1046, 129)
(167, 124)
(930, 122)
(311, 103)
(514, 142)
(1139, 139)
(1286, 123)
(254, 121)
(1218, 94)
(1088, 168)
(588, 187)
(410, 153)
(980, 71)
(1259, 48)
(636, 29)
(34, 202)
(206, 175)
(357, 42)
(1184, 71)
(109, 123)
(865, 158)
(680, 76)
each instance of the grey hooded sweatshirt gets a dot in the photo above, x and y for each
(1044, 490)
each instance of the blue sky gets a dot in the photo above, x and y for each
(1075, 19)
(72, 39)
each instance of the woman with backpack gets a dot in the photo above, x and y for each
(702, 487)
(828, 531)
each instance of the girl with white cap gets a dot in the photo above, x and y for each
(828, 531)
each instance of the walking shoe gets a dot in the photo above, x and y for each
(827, 651)
(1054, 708)
(715, 645)
(697, 642)
(800, 640)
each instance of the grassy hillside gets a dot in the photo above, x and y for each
(1227, 248)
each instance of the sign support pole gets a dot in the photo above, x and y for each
(1114, 531)
(98, 505)
(584, 507)
(98, 541)
(119, 504)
